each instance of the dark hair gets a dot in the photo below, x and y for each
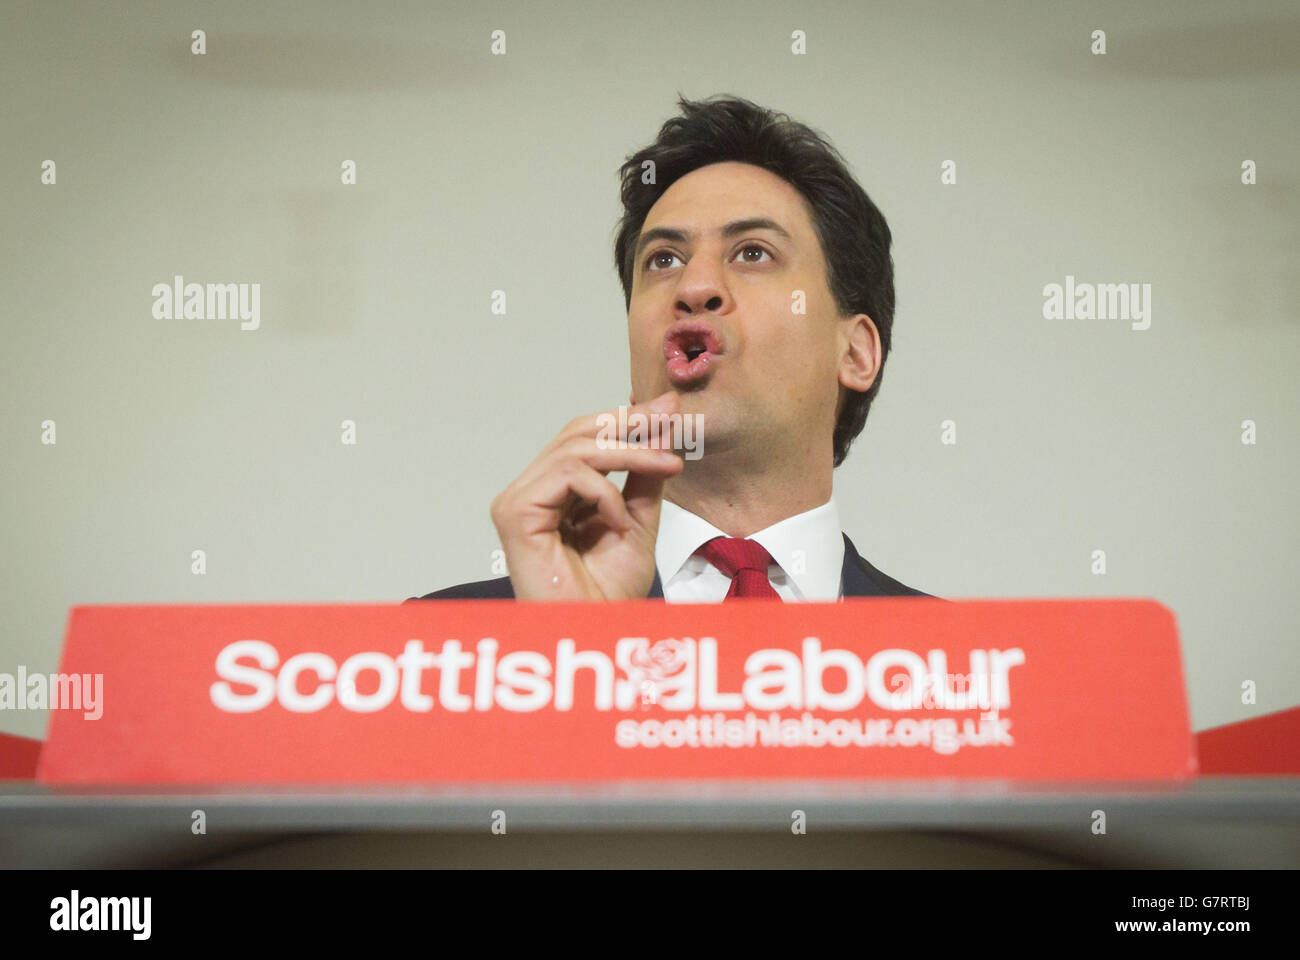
(853, 234)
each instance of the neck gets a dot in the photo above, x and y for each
(742, 501)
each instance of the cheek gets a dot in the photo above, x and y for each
(636, 333)
(644, 347)
(797, 344)
(796, 369)
(796, 355)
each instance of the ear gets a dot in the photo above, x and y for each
(860, 362)
(631, 398)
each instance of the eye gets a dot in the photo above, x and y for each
(753, 246)
(658, 255)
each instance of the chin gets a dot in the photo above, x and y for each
(696, 399)
(714, 410)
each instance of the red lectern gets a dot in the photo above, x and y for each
(496, 691)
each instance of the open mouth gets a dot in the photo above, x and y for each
(691, 347)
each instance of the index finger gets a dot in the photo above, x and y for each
(593, 424)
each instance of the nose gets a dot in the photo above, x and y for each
(700, 289)
(692, 304)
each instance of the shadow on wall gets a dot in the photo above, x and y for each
(1207, 52)
(321, 294)
(1260, 285)
(330, 63)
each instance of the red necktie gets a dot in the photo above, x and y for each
(744, 561)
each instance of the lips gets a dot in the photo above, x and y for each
(691, 347)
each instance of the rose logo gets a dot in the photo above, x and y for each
(661, 660)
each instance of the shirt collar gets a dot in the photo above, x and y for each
(808, 547)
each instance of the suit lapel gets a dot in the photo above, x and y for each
(855, 581)
(656, 588)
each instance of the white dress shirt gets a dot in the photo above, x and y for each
(808, 550)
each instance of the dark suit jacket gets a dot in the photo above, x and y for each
(860, 579)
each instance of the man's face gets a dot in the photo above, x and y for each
(768, 381)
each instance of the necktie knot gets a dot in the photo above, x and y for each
(731, 555)
(744, 561)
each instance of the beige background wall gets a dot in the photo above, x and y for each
(478, 173)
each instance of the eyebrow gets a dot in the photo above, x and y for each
(730, 230)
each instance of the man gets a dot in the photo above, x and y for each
(760, 297)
